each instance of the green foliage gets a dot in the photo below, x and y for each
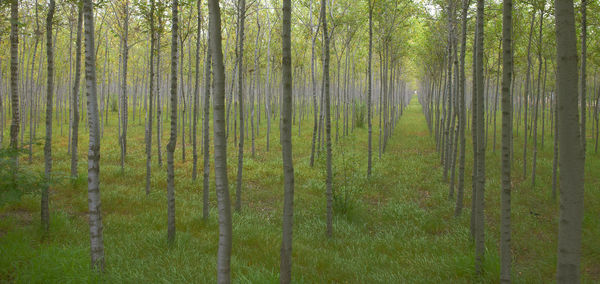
(114, 107)
(16, 180)
(360, 115)
(349, 183)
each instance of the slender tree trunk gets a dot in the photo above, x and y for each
(571, 156)
(14, 74)
(286, 146)
(583, 79)
(205, 129)
(479, 221)
(196, 94)
(222, 186)
(537, 101)
(240, 58)
(463, 112)
(151, 99)
(95, 216)
(314, 89)
(526, 96)
(75, 99)
(329, 191)
(369, 91)
(555, 152)
(474, 133)
(124, 108)
(173, 137)
(158, 101)
(45, 212)
(267, 86)
(507, 74)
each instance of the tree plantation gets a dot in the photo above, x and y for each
(305, 141)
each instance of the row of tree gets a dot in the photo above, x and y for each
(140, 91)
(561, 103)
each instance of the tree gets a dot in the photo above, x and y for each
(329, 185)
(196, 93)
(571, 156)
(583, 79)
(75, 99)
(285, 274)
(124, 108)
(14, 74)
(369, 90)
(151, 98)
(205, 133)
(507, 73)
(240, 63)
(95, 216)
(463, 112)
(222, 186)
(173, 137)
(45, 212)
(480, 188)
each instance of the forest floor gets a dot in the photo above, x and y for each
(395, 227)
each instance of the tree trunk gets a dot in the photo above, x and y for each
(222, 186)
(463, 112)
(537, 101)
(205, 129)
(75, 102)
(158, 101)
(196, 94)
(285, 272)
(526, 96)
(95, 216)
(369, 91)
(479, 214)
(314, 90)
(240, 58)
(507, 73)
(329, 191)
(583, 79)
(45, 212)
(151, 100)
(14, 75)
(124, 108)
(571, 156)
(173, 137)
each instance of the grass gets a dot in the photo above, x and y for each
(396, 227)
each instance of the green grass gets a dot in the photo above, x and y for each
(396, 227)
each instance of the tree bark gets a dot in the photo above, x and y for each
(369, 91)
(479, 214)
(463, 112)
(196, 94)
(45, 212)
(75, 102)
(583, 79)
(537, 101)
(329, 190)
(151, 99)
(240, 59)
(571, 156)
(507, 73)
(205, 129)
(222, 186)
(173, 137)
(14, 75)
(286, 146)
(124, 108)
(95, 216)
(526, 96)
